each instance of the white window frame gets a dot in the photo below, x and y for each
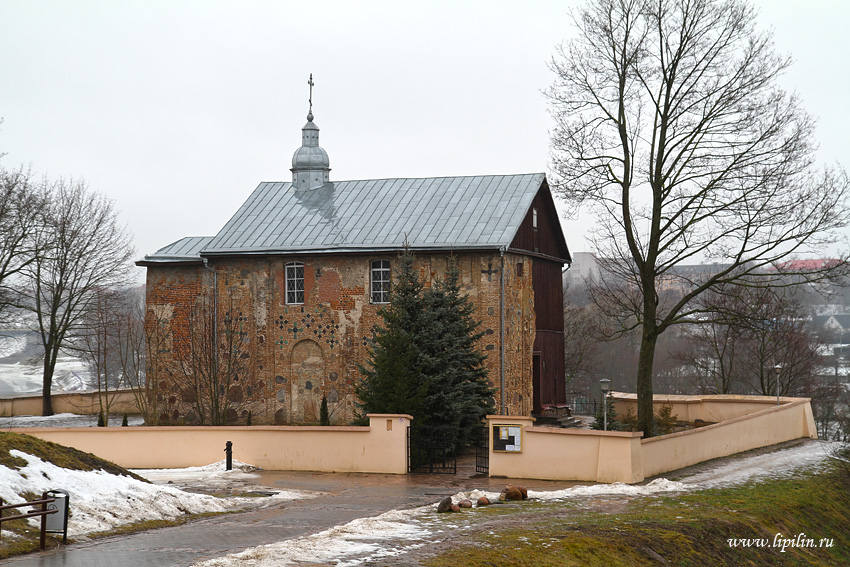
(379, 289)
(294, 276)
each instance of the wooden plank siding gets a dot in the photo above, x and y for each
(549, 336)
(547, 247)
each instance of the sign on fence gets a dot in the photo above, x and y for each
(507, 438)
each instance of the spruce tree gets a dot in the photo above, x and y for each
(423, 359)
(324, 414)
(459, 394)
(393, 381)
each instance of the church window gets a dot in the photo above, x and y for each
(294, 283)
(381, 281)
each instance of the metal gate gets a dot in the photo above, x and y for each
(482, 458)
(431, 450)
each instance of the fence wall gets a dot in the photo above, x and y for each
(767, 426)
(82, 403)
(711, 408)
(380, 447)
(610, 456)
(567, 454)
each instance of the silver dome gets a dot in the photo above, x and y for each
(310, 163)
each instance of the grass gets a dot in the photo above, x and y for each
(691, 529)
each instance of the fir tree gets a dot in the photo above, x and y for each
(324, 415)
(459, 394)
(613, 423)
(423, 359)
(393, 381)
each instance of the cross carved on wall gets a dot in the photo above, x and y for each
(490, 271)
(295, 330)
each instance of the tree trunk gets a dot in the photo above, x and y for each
(644, 381)
(47, 385)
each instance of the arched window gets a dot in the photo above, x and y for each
(294, 283)
(381, 281)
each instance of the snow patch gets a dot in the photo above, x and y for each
(347, 545)
(100, 501)
(775, 464)
(396, 532)
(65, 420)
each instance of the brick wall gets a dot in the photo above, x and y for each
(300, 352)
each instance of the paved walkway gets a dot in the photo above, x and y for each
(344, 497)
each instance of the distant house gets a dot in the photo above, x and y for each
(836, 327)
(306, 264)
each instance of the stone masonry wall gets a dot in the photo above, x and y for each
(300, 352)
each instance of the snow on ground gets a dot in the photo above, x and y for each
(216, 478)
(21, 369)
(398, 531)
(100, 501)
(364, 539)
(12, 343)
(18, 378)
(773, 464)
(64, 420)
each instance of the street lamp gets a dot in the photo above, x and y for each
(777, 369)
(605, 385)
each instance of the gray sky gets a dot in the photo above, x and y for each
(178, 109)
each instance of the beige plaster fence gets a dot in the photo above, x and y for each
(82, 403)
(744, 423)
(380, 447)
(709, 408)
(769, 425)
(566, 454)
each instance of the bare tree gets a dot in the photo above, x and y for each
(20, 205)
(82, 250)
(98, 343)
(709, 351)
(779, 349)
(213, 371)
(581, 344)
(671, 126)
(140, 341)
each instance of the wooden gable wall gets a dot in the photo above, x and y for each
(548, 248)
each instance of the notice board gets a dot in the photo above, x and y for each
(507, 438)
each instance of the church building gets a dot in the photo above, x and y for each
(299, 273)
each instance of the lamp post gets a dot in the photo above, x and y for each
(605, 385)
(777, 369)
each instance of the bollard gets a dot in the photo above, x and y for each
(228, 450)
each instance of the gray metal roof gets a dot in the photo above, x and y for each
(378, 214)
(185, 249)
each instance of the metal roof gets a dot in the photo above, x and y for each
(379, 214)
(185, 249)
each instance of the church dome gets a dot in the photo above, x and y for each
(310, 163)
(310, 157)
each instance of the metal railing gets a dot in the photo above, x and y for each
(583, 406)
(44, 501)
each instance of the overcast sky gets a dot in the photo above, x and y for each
(177, 109)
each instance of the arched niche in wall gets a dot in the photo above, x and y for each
(308, 373)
